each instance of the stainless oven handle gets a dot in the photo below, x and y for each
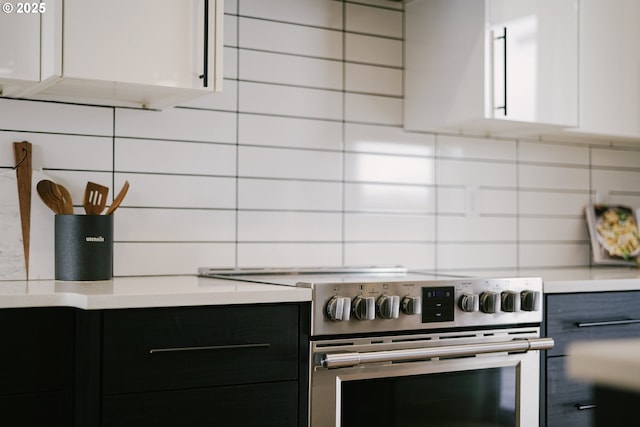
(341, 360)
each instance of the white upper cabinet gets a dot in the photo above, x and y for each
(610, 68)
(142, 53)
(20, 36)
(491, 67)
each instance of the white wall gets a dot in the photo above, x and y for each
(303, 161)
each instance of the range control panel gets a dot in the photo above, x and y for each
(351, 307)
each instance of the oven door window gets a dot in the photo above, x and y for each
(475, 398)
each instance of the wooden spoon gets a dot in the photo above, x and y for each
(116, 202)
(67, 203)
(51, 196)
(95, 198)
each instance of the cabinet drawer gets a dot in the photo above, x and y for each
(267, 405)
(36, 349)
(178, 348)
(591, 316)
(568, 402)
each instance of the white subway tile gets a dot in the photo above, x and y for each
(377, 21)
(476, 173)
(553, 177)
(552, 153)
(161, 258)
(230, 67)
(288, 163)
(317, 13)
(616, 158)
(476, 229)
(472, 201)
(373, 50)
(230, 36)
(288, 38)
(362, 227)
(254, 226)
(388, 168)
(373, 80)
(289, 132)
(289, 254)
(271, 67)
(619, 180)
(465, 255)
(552, 229)
(173, 225)
(147, 155)
(464, 147)
(177, 124)
(549, 203)
(289, 195)
(231, 6)
(389, 198)
(409, 255)
(373, 109)
(178, 191)
(554, 255)
(290, 101)
(387, 139)
(33, 116)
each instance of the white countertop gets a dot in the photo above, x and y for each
(164, 291)
(151, 291)
(610, 363)
(571, 280)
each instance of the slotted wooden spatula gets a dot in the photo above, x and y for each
(95, 198)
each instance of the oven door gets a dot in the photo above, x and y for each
(484, 379)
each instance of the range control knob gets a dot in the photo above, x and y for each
(510, 301)
(338, 308)
(489, 302)
(364, 308)
(411, 305)
(530, 300)
(388, 306)
(469, 303)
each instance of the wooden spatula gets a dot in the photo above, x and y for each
(95, 198)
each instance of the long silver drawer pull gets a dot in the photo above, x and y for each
(208, 347)
(340, 360)
(607, 323)
(585, 406)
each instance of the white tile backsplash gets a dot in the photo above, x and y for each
(174, 157)
(315, 13)
(254, 129)
(283, 69)
(277, 194)
(373, 80)
(288, 38)
(289, 101)
(266, 162)
(302, 161)
(369, 20)
(387, 52)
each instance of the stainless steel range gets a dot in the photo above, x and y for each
(392, 347)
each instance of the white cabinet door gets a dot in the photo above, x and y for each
(142, 53)
(20, 46)
(148, 42)
(535, 61)
(610, 68)
(491, 67)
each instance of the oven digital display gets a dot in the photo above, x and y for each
(438, 304)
